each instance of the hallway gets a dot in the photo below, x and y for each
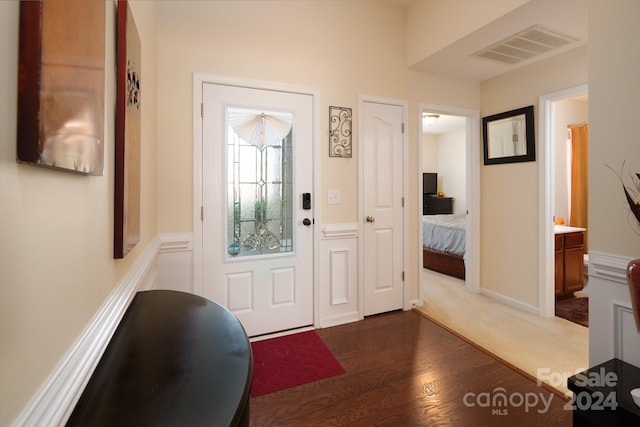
(548, 349)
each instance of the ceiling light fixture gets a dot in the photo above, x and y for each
(430, 119)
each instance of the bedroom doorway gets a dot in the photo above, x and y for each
(449, 154)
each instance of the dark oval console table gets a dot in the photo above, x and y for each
(602, 395)
(176, 359)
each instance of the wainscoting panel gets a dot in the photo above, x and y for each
(627, 345)
(339, 285)
(338, 275)
(175, 262)
(612, 330)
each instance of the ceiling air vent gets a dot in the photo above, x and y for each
(526, 44)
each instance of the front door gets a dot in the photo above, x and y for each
(383, 207)
(257, 214)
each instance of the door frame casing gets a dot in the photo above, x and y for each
(472, 136)
(199, 79)
(546, 182)
(405, 180)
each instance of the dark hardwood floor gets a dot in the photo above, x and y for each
(404, 370)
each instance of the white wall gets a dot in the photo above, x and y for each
(291, 43)
(435, 24)
(56, 228)
(614, 91)
(430, 154)
(452, 168)
(509, 212)
(446, 155)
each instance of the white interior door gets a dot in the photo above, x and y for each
(257, 234)
(382, 153)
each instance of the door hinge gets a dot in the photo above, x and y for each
(403, 202)
(202, 109)
(201, 213)
(403, 276)
(402, 127)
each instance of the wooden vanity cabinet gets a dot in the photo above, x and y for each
(559, 264)
(569, 257)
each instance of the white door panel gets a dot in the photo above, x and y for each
(382, 205)
(257, 253)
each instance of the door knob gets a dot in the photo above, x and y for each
(306, 222)
(371, 219)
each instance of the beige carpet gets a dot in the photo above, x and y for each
(549, 350)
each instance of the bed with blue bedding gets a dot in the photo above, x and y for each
(444, 243)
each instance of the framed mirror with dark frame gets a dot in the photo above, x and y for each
(509, 137)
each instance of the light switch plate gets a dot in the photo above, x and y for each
(333, 197)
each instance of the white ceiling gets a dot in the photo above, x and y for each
(567, 17)
(444, 124)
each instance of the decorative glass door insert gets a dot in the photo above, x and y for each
(259, 182)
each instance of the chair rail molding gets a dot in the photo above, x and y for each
(340, 231)
(608, 266)
(176, 242)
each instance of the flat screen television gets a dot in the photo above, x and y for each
(430, 183)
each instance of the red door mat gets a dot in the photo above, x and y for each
(291, 360)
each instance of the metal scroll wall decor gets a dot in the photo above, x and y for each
(339, 132)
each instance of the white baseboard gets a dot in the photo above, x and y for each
(340, 319)
(53, 403)
(510, 301)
